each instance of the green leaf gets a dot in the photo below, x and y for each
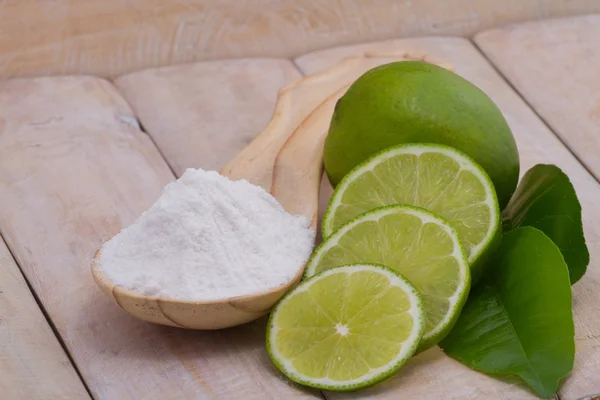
(518, 319)
(546, 199)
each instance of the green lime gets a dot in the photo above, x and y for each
(435, 177)
(418, 244)
(346, 328)
(417, 102)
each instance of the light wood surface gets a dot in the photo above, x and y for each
(112, 37)
(77, 169)
(431, 375)
(33, 365)
(201, 115)
(557, 73)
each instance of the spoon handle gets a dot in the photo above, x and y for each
(255, 162)
(294, 103)
(299, 165)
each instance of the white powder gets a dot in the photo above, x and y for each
(208, 238)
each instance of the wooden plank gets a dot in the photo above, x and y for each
(77, 168)
(557, 73)
(201, 115)
(432, 375)
(112, 37)
(33, 365)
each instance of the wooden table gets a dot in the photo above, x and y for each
(82, 157)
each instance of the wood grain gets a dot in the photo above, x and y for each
(76, 168)
(112, 37)
(33, 365)
(554, 65)
(432, 375)
(298, 168)
(201, 115)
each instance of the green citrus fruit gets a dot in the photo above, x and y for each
(346, 328)
(417, 102)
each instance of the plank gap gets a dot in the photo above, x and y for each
(201, 115)
(549, 125)
(46, 315)
(158, 149)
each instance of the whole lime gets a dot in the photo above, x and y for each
(417, 102)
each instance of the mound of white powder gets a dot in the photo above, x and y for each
(208, 238)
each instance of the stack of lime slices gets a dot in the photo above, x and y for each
(437, 178)
(404, 231)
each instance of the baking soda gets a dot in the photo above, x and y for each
(208, 238)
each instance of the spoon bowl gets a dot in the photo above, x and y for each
(205, 315)
(285, 159)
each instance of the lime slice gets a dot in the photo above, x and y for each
(435, 177)
(346, 328)
(418, 244)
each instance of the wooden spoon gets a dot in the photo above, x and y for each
(290, 166)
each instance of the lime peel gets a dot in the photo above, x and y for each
(416, 102)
